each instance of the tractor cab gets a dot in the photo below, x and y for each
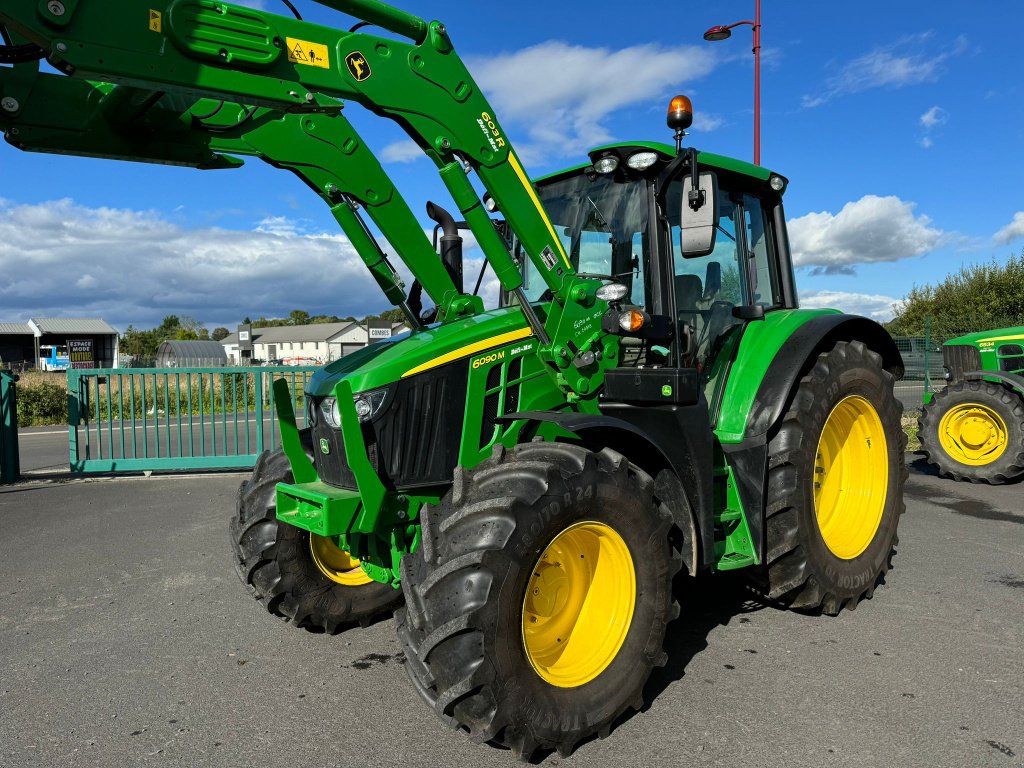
(620, 219)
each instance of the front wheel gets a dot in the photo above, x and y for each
(298, 576)
(974, 430)
(537, 603)
(835, 484)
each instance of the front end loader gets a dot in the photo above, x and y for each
(523, 486)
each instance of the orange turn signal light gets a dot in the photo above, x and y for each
(680, 113)
(632, 320)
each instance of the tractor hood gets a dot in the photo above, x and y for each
(410, 353)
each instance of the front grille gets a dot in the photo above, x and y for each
(414, 441)
(960, 359)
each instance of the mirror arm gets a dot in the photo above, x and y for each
(696, 197)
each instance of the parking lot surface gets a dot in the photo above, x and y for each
(126, 639)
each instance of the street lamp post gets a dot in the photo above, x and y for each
(725, 31)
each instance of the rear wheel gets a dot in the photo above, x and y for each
(974, 430)
(537, 603)
(299, 576)
(835, 484)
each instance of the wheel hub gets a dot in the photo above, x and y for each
(973, 434)
(579, 604)
(851, 476)
(335, 563)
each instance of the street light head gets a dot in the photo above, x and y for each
(718, 33)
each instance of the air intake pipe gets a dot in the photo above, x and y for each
(451, 242)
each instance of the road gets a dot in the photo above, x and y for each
(45, 449)
(127, 640)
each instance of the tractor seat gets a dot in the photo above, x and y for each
(689, 293)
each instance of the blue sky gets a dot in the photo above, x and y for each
(900, 126)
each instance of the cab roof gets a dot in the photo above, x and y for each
(667, 151)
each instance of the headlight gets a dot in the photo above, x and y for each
(612, 292)
(369, 403)
(331, 413)
(641, 161)
(606, 164)
(777, 183)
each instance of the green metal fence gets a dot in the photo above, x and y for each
(9, 462)
(923, 371)
(176, 418)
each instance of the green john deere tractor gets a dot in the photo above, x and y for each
(649, 401)
(973, 428)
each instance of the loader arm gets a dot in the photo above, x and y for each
(205, 48)
(121, 122)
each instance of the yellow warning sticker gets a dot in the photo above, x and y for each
(156, 21)
(310, 54)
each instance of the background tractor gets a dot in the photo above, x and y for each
(649, 401)
(973, 428)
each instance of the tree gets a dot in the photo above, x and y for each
(138, 344)
(299, 317)
(220, 333)
(977, 298)
(394, 314)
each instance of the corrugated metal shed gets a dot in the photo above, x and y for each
(21, 329)
(72, 325)
(191, 354)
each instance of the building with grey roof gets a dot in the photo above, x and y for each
(17, 345)
(191, 354)
(96, 341)
(314, 344)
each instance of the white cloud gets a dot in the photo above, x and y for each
(933, 117)
(1012, 231)
(279, 225)
(876, 306)
(407, 151)
(872, 229)
(706, 122)
(561, 95)
(894, 66)
(930, 120)
(59, 258)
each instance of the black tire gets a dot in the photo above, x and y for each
(461, 629)
(275, 562)
(1006, 403)
(801, 571)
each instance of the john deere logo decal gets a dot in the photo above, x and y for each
(358, 66)
(666, 391)
(325, 447)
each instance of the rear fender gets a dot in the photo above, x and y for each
(1010, 380)
(749, 457)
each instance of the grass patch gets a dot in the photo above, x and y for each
(910, 427)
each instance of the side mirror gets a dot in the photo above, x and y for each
(698, 217)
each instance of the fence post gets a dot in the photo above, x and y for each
(74, 417)
(258, 387)
(10, 463)
(927, 353)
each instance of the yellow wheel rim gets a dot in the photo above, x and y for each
(972, 434)
(851, 477)
(579, 604)
(336, 564)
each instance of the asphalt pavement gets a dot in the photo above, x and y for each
(127, 640)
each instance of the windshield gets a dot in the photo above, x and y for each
(603, 227)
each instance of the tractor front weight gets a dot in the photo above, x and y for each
(373, 524)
